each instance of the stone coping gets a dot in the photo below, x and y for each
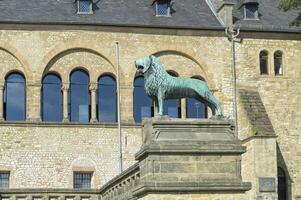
(156, 121)
(188, 187)
(125, 174)
(258, 137)
(194, 149)
(165, 120)
(47, 191)
(68, 124)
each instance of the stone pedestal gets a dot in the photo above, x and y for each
(190, 156)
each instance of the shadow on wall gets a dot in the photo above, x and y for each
(256, 112)
(287, 179)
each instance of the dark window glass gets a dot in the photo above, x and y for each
(107, 99)
(142, 102)
(278, 63)
(85, 6)
(172, 107)
(282, 185)
(163, 7)
(52, 98)
(79, 97)
(82, 180)
(195, 108)
(14, 98)
(4, 180)
(263, 58)
(251, 11)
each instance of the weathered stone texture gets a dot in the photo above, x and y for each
(280, 96)
(45, 157)
(36, 50)
(220, 196)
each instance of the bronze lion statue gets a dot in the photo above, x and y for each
(159, 85)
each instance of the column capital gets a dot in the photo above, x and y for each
(93, 87)
(65, 87)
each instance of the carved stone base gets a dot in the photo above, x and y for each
(183, 155)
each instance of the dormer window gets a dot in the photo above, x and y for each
(251, 11)
(163, 8)
(84, 7)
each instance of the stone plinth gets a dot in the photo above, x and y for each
(190, 156)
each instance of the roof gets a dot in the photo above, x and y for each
(190, 14)
(187, 13)
(271, 17)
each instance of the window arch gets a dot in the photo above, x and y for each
(52, 98)
(79, 97)
(172, 107)
(282, 184)
(142, 102)
(107, 99)
(196, 108)
(264, 62)
(15, 97)
(278, 63)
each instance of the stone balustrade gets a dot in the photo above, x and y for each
(121, 187)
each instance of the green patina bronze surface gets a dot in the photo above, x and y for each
(159, 85)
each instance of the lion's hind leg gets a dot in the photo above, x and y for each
(204, 94)
(214, 105)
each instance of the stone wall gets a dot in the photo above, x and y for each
(36, 50)
(61, 51)
(45, 156)
(213, 196)
(259, 163)
(278, 97)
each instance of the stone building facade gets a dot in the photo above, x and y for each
(45, 155)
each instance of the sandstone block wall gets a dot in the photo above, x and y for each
(40, 156)
(37, 50)
(194, 197)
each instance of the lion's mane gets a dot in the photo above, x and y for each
(155, 77)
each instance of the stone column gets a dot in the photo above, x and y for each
(93, 89)
(65, 89)
(183, 108)
(1, 102)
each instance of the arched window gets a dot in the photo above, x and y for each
(107, 99)
(142, 102)
(52, 98)
(79, 97)
(15, 97)
(278, 63)
(282, 184)
(172, 107)
(264, 60)
(195, 108)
